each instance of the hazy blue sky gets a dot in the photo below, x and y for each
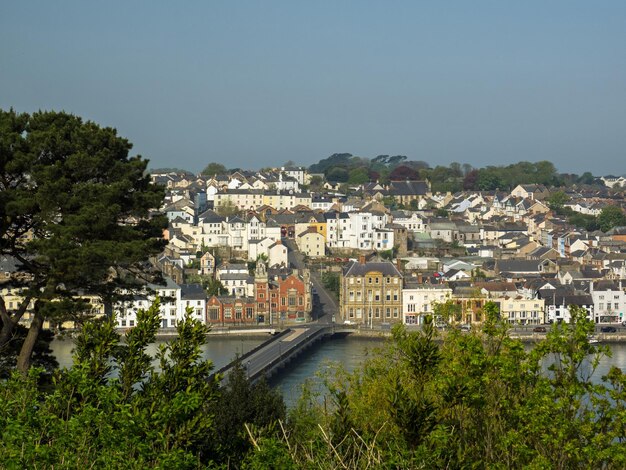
(252, 84)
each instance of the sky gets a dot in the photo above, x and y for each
(258, 83)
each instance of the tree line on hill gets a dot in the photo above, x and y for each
(350, 169)
(347, 168)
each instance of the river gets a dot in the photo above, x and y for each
(348, 352)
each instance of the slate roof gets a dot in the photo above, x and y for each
(518, 266)
(408, 188)
(355, 268)
(210, 217)
(192, 292)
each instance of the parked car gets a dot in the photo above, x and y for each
(539, 329)
(466, 327)
(608, 329)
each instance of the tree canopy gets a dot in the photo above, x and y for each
(75, 216)
(611, 217)
(213, 169)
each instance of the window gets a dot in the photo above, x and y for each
(131, 322)
(388, 312)
(395, 312)
(377, 312)
(283, 301)
(238, 313)
(214, 313)
(351, 312)
(123, 322)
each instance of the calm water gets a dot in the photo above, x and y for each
(348, 352)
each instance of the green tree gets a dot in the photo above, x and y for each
(240, 404)
(448, 311)
(90, 419)
(213, 169)
(227, 208)
(610, 217)
(358, 176)
(557, 200)
(468, 400)
(316, 183)
(337, 174)
(215, 287)
(586, 178)
(331, 282)
(75, 216)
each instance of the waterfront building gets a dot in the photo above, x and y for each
(371, 292)
(419, 300)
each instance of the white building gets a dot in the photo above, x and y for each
(419, 300)
(363, 225)
(338, 230)
(277, 255)
(609, 301)
(236, 279)
(521, 311)
(409, 220)
(171, 307)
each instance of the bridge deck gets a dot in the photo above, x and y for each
(266, 359)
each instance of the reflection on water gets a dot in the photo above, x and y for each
(219, 349)
(349, 352)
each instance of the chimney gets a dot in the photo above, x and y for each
(399, 265)
(420, 278)
(361, 259)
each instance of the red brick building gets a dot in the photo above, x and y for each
(231, 311)
(282, 295)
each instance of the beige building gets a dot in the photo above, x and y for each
(371, 293)
(311, 243)
(520, 311)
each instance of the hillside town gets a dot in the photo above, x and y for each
(397, 251)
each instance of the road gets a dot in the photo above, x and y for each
(324, 304)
